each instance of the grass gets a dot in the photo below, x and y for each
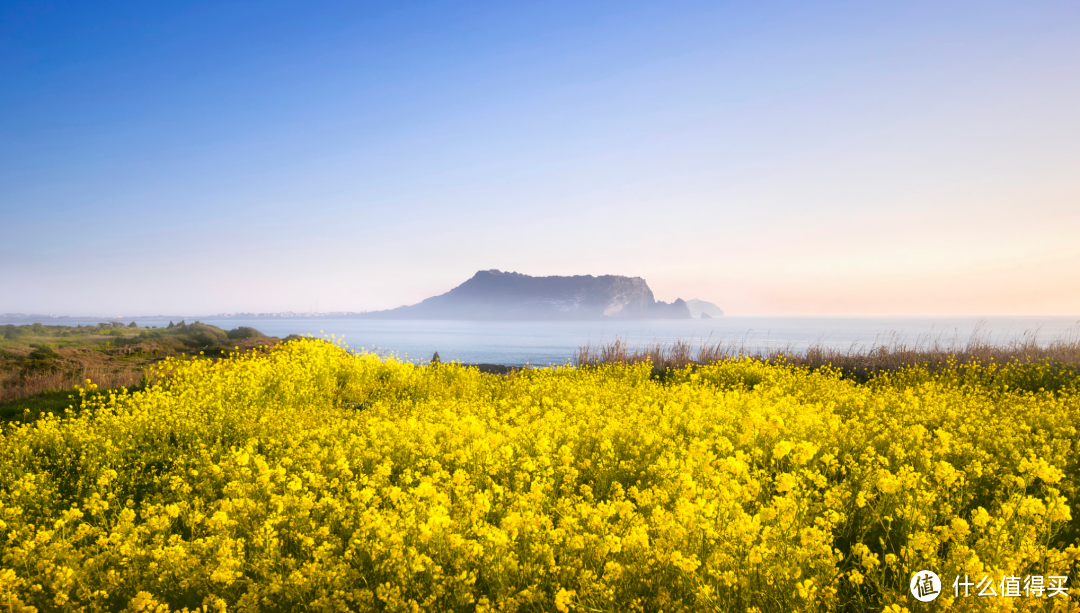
(40, 365)
(105, 373)
(37, 361)
(858, 362)
(31, 408)
(39, 404)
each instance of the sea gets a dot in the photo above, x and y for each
(545, 343)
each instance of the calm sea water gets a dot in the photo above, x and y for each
(544, 343)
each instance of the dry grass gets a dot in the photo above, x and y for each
(14, 386)
(108, 369)
(860, 361)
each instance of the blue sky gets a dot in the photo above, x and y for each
(775, 158)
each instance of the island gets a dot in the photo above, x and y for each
(498, 295)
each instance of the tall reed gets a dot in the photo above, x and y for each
(889, 352)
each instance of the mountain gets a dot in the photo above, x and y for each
(493, 294)
(700, 308)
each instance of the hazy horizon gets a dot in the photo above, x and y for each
(791, 159)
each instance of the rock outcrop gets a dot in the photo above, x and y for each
(497, 295)
(701, 308)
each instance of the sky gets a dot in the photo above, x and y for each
(804, 158)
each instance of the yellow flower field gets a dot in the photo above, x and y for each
(311, 479)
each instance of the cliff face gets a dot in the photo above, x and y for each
(492, 294)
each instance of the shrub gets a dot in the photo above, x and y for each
(201, 335)
(43, 352)
(244, 332)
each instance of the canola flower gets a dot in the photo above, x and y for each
(311, 479)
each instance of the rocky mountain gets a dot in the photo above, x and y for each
(493, 294)
(701, 308)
